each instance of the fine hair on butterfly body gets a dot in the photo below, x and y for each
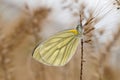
(58, 49)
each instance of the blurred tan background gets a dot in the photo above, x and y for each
(24, 24)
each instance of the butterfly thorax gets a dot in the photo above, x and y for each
(77, 31)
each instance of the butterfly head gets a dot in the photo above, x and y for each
(79, 29)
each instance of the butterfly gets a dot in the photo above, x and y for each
(58, 49)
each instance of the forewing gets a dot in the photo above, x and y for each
(58, 49)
